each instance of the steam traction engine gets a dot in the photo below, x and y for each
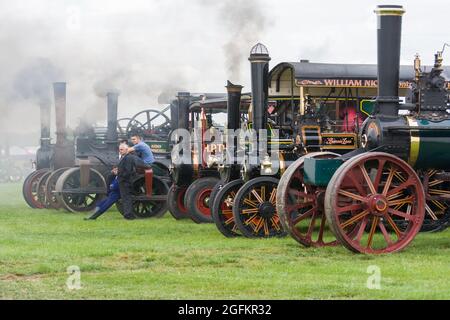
(247, 206)
(51, 159)
(376, 198)
(79, 188)
(193, 175)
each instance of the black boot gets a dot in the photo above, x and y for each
(95, 215)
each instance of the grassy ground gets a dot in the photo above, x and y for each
(168, 259)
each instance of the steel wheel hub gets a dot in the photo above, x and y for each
(267, 210)
(378, 205)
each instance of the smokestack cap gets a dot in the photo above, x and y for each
(183, 94)
(259, 51)
(113, 93)
(389, 10)
(233, 87)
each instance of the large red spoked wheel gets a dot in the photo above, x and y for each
(222, 210)
(367, 198)
(29, 189)
(50, 188)
(300, 206)
(254, 209)
(175, 202)
(197, 199)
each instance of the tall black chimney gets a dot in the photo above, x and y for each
(233, 106)
(259, 59)
(64, 152)
(389, 40)
(174, 114)
(111, 135)
(183, 110)
(44, 153)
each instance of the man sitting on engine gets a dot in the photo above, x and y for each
(141, 149)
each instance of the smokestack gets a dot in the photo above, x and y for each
(389, 40)
(44, 153)
(59, 90)
(233, 106)
(45, 125)
(111, 135)
(174, 114)
(259, 59)
(63, 151)
(233, 118)
(183, 110)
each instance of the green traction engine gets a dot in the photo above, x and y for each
(375, 199)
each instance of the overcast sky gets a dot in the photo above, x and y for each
(145, 47)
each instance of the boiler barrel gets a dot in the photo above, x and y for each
(430, 144)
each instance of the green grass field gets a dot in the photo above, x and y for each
(168, 259)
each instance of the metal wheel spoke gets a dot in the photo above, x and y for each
(430, 212)
(275, 223)
(394, 226)
(351, 207)
(248, 211)
(400, 187)
(229, 220)
(388, 181)
(303, 216)
(401, 201)
(250, 220)
(257, 196)
(311, 225)
(439, 204)
(400, 214)
(354, 219)
(386, 235)
(435, 183)
(356, 184)
(379, 174)
(266, 227)
(273, 196)
(322, 228)
(259, 225)
(228, 211)
(263, 193)
(361, 229)
(439, 191)
(249, 202)
(373, 228)
(351, 195)
(367, 178)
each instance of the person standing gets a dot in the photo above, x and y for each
(113, 190)
(126, 174)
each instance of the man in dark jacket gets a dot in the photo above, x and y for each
(126, 174)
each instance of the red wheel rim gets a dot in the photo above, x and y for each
(31, 188)
(180, 200)
(301, 208)
(376, 203)
(202, 202)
